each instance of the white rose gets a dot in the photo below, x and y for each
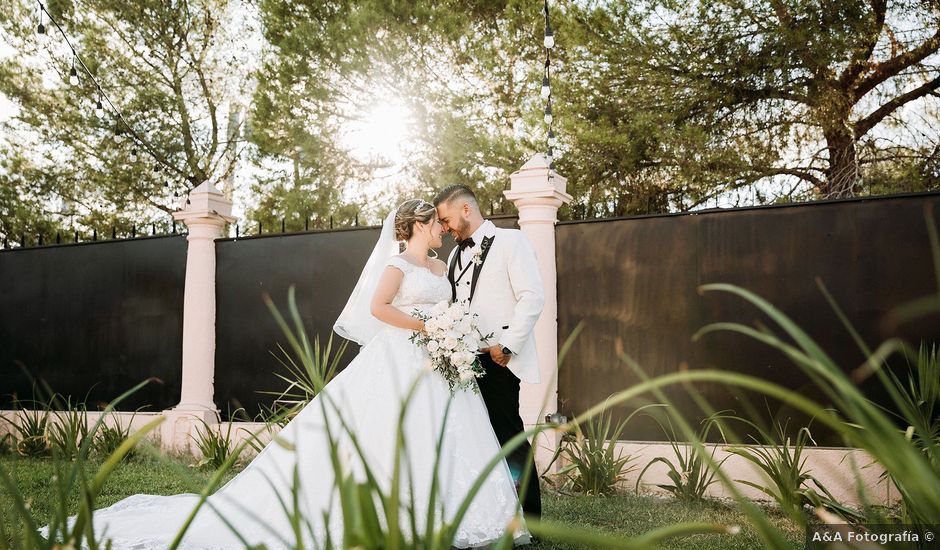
(450, 343)
(473, 343)
(433, 346)
(464, 325)
(456, 312)
(431, 325)
(445, 322)
(466, 376)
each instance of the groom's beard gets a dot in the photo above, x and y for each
(462, 231)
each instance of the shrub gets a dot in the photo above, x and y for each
(595, 466)
(216, 445)
(691, 473)
(780, 459)
(309, 366)
(109, 438)
(68, 430)
(32, 439)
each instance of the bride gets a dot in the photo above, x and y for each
(295, 475)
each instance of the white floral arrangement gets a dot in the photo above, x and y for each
(452, 339)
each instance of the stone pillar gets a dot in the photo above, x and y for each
(538, 192)
(205, 217)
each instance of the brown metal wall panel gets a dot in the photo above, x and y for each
(635, 281)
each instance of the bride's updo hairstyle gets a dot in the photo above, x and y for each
(411, 211)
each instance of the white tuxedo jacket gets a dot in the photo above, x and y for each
(507, 295)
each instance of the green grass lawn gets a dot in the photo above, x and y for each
(624, 514)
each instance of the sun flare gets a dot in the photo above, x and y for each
(381, 133)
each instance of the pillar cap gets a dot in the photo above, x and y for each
(205, 201)
(536, 179)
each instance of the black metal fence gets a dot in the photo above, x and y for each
(634, 284)
(97, 318)
(323, 266)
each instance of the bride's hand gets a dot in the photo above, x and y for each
(420, 325)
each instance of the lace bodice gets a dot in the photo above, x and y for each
(420, 286)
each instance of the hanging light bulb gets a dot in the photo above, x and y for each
(119, 136)
(41, 33)
(546, 88)
(73, 74)
(549, 35)
(550, 157)
(548, 113)
(134, 156)
(552, 141)
(99, 110)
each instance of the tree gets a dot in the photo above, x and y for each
(468, 72)
(694, 99)
(172, 71)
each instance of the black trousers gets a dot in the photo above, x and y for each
(500, 390)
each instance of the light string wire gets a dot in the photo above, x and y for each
(122, 122)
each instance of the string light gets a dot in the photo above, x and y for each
(73, 74)
(41, 30)
(549, 36)
(123, 129)
(549, 43)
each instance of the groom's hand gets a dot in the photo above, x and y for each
(496, 353)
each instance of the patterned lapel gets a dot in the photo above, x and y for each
(485, 250)
(450, 275)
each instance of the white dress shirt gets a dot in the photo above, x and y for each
(464, 271)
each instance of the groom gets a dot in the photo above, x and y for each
(496, 271)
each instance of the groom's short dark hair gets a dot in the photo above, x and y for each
(454, 192)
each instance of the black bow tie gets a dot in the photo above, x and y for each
(466, 243)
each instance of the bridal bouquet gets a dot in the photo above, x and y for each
(452, 340)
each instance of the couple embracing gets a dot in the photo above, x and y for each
(449, 436)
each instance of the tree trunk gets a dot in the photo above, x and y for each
(842, 176)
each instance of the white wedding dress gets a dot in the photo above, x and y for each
(368, 394)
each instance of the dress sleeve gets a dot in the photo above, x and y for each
(397, 262)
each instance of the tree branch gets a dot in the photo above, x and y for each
(860, 60)
(884, 71)
(864, 125)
